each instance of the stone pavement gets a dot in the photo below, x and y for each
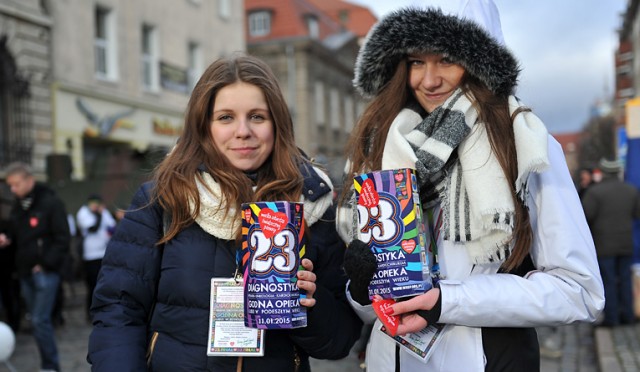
(71, 337)
(619, 348)
(573, 348)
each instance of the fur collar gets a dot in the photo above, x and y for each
(414, 30)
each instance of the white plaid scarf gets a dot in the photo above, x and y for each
(478, 210)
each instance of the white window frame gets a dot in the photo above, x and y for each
(313, 26)
(260, 23)
(625, 57)
(360, 107)
(626, 93)
(149, 59)
(624, 69)
(224, 9)
(195, 60)
(334, 108)
(349, 113)
(105, 46)
(318, 92)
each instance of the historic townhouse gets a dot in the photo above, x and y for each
(313, 53)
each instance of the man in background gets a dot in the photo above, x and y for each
(39, 230)
(610, 207)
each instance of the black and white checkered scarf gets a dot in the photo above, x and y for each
(478, 210)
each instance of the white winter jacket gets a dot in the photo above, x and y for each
(565, 288)
(94, 243)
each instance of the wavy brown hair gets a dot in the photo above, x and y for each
(365, 146)
(278, 179)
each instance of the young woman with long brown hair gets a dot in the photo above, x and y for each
(183, 229)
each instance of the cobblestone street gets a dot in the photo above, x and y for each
(574, 348)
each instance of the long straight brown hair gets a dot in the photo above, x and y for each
(365, 146)
(278, 179)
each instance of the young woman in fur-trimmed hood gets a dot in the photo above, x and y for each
(512, 249)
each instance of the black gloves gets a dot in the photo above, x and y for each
(432, 316)
(360, 265)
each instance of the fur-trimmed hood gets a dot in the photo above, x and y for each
(414, 30)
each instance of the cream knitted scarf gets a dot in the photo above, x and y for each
(212, 216)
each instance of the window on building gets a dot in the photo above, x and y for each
(149, 58)
(312, 25)
(626, 93)
(334, 108)
(16, 137)
(343, 16)
(626, 56)
(349, 113)
(224, 9)
(195, 64)
(624, 69)
(360, 106)
(260, 23)
(105, 44)
(319, 103)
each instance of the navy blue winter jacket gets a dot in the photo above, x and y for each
(133, 267)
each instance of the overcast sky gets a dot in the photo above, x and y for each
(565, 48)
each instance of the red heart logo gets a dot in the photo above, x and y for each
(272, 222)
(231, 343)
(33, 221)
(408, 245)
(399, 177)
(391, 322)
(247, 215)
(368, 194)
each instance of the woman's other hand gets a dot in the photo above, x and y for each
(412, 312)
(307, 282)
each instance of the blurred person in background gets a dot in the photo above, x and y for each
(9, 284)
(40, 231)
(610, 207)
(95, 224)
(586, 180)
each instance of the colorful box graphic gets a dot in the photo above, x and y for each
(390, 223)
(272, 247)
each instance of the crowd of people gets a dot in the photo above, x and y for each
(511, 241)
(37, 253)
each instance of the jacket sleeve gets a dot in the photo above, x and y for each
(565, 287)
(332, 326)
(589, 205)
(60, 235)
(636, 213)
(126, 289)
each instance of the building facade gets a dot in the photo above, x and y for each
(627, 94)
(25, 76)
(313, 57)
(122, 72)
